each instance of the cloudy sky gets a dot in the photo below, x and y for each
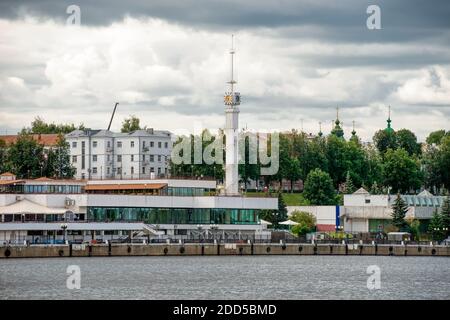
(167, 62)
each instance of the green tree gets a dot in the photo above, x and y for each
(349, 187)
(3, 157)
(306, 222)
(399, 210)
(408, 141)
(436, 226)
(319, 188)
(26, 157)
(276, 216)
(400, 171)
(39, 126)
(445, 212)
(385, 140)
(436, 136)
(58, 160)
(337, 159)
(130, 124)
(248, 171)
(413, 226)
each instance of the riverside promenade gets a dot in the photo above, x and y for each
(199, 249)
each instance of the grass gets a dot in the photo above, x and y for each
(291, 199)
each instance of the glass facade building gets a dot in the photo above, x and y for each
(173, 215)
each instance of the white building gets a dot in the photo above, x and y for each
(102, 154)
(365, 212)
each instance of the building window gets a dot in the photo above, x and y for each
(94, 170)
(152, 144)
(83, 152)
(132, 157)
(94, 158)
(83, 176)
(143, 169)
(152, 169)
(159, 144)
(108, 144)
(119, 158)
(108, 170)
(367, 200)
(132, 144)
(132, 170)
(74, 159)
(159, 170)
(159, 158)
(119, 144)
(108, 158)
(119, 170)
(166, 145)
(143, 144)
(152, 158)
(94, 144)
(74, 144)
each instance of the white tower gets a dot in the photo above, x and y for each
(232, 100)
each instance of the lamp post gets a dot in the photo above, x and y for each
(64, 228)
(199, 228)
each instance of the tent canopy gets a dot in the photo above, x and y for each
(289, 223)
(27, 206)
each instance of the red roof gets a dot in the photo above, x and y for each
(7, 174)
(47, 140)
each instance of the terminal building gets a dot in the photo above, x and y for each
(120, 194)
(39, 210)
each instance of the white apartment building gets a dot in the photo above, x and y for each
(102, 154)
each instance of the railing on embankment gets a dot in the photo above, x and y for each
(104, 250)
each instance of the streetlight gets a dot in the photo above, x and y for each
(64, 228)
(199, 228)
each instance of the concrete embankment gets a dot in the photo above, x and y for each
(102, 250)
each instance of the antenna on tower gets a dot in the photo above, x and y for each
(232, 98)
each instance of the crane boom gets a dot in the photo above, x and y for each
(112, 116)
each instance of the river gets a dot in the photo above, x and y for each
(227, 277)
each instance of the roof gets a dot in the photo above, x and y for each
(8, 182)
(425, 193)
(27, 206)
(43, 179)
(105, 133)
(134, 186)
(44, 139)
(361, 191)
(7, 174)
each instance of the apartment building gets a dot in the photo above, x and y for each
(102, 154)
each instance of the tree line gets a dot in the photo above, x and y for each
(395, 162)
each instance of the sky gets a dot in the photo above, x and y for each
(167, 62)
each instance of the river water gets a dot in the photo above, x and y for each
(227, 277)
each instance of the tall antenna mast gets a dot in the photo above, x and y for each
(232, 98)
(232, 82)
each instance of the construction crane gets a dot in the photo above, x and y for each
(112, 116)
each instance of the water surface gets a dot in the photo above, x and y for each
(227, 277)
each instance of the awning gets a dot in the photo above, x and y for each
(9, 182)
(134, 186)
(29, 207)
(289, 223)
